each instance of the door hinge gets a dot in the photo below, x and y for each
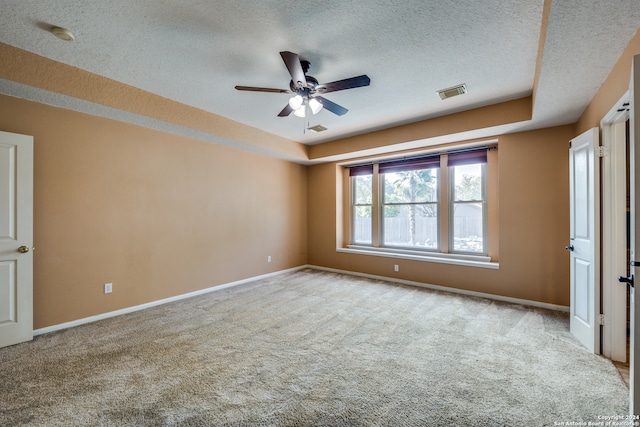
(601, 319)
(601, 151)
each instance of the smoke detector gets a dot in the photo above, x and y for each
(452, 91)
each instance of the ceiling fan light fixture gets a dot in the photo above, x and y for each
(301, 112)
(315, 105)
(450, 92)
(296, 102)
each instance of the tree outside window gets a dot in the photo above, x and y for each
(411, 208)
(407, 212)
(468, 208)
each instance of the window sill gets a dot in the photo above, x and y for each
(455, 259)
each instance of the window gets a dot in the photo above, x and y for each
(361, 204)
(412, 205)
(468, 208)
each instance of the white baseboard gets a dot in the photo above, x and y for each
(530, 303)
(97, 317)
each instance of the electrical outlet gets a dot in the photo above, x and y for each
(108, 287)
(396, 267)
(269, 258)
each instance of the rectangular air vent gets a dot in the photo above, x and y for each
(317, 128)
(452, 91)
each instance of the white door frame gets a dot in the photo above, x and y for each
(614, 231)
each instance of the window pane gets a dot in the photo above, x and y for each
(362, 189)
(411, 186)
(468, 180)
(362, 225)
(361, 209)
(411, 225)
(468, 227)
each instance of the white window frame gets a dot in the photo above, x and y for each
(382, 205)
(353, 205)
(441, 256)
(453, 202)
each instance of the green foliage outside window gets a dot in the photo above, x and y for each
(470, 188)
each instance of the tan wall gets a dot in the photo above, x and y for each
(533, 221)
(34, 70)
(517, 110)
(156, 214)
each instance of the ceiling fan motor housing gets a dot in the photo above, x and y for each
(306, 90)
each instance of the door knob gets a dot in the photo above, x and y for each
(569, 248)
(23, 249)
(628, 280)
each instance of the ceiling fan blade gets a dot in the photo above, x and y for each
(262, 89)
(285, 111)
(332, 106)
(292, 61)
(351, 83)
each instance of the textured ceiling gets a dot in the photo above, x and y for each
(196, 51)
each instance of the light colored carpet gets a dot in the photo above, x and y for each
(312, 348)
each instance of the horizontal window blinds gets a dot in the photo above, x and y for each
(361, 170)
(456, 158)
(467, 157)
(410, 164)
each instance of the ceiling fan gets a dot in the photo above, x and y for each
(307, 90)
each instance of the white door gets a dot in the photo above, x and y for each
(16, 238)
(614, 230)
(634, 183)
(584, 239)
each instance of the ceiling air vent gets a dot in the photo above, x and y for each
(317, 128)
(452, 91)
